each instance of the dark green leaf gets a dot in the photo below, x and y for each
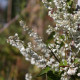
(49, 0)
(51, 35)
(62, 44)
(44, 71)
(53, 76)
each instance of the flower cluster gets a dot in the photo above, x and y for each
(28, 77)
(62, 54)
(67, 33)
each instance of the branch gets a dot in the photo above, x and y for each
(54, 55)
(9, 23)
(13, 20)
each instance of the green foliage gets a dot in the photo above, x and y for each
(49, 0)
(70, 3)
(50, 74)
(62, 44)
(51, 36)
(53, 76)
(44, 71)
(76, 61)
(63, 63)
(62, 37)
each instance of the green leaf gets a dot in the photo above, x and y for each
(51, 35)
(62, 37)
(49, 0)
(44, 71)
(70, 3)
(53, 76)
(63, 63)
(62, 44)
(76, 60)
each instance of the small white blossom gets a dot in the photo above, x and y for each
(32, 61)
(28, 77)
(72, 71)
(78, 74)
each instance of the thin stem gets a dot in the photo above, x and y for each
(54, 55)
(46, 76)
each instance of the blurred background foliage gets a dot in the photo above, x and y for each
(13, 65)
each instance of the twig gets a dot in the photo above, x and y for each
(9, 23)
(13, 20)
(54, 55)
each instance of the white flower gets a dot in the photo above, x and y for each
(21, 23)
(66, 45)
(32, 61)
(49, 30)
(16, 34)
(63, 54)
(53, 50)
(28, 76)
(72, 71)
(44, 1)
(47, 55)
(22, 49)
(78, 74)
(52, 60)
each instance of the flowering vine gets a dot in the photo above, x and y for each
(61, 55)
